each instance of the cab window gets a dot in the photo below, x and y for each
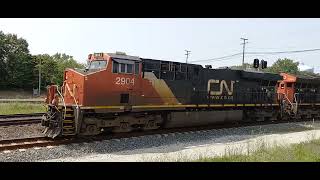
(97, 64)
(115, 67)
(129, 68)
(125, 66)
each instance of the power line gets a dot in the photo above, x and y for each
(284, 52)
(227, 59)
(218, 59)
(257, 53)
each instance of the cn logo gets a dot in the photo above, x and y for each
(223, 85)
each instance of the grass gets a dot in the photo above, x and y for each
(21, 108)
(255, 150)
(302, 152)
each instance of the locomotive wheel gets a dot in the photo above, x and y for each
(124, 127)
(150, 126)
(92, 130)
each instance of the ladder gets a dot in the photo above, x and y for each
(68, 123)
(290, 107)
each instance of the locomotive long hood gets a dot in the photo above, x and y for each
(262, 76)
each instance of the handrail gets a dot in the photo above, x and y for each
(72, 95)
(295, 99)
(64, 104)
(293, 106)
(287, 99)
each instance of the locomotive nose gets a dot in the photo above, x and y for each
(52, 121)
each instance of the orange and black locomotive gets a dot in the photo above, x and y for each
(122, 93)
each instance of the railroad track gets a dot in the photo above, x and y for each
(25, 143)
(20, 119)
(22, 100)
(33, 142)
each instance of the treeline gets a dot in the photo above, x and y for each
(19, 69)
(281, 65)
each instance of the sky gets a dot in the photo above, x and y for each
(167, 39)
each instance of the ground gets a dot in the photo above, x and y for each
(7, 107)
(231, 142)
(21, 108)
(308, 151)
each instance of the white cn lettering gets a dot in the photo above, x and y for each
(223, 83)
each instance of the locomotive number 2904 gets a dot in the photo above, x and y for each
(123, 81)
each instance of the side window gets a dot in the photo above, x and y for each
(164, 67)
(115, 67)
(174, 67)
(129, 68)
(178, 67)
(196, 71)
(136, 68)
(122, 68)
(183, 68)
(289, 84)
(125, 66)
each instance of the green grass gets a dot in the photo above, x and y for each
(302, 152)
(21, 108)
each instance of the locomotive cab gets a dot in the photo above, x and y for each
(112, 79)
(286, 87)
(96, 61)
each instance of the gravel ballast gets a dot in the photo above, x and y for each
(23, 131)
(172, 146)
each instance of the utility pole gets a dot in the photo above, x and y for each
(188, 52)
(244, 45)
(39, 76)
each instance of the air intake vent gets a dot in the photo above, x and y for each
(120, 53)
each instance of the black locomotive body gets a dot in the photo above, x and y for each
(214, 86)
(216, 95)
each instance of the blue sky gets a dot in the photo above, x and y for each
(168, 38)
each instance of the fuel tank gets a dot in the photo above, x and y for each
(199, 118)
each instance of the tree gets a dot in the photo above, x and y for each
(3, 60)
(284, 65)
(64, 61)
(15, 62)
(19, 69)
(307, 73)
(53, 67)
(49, 69)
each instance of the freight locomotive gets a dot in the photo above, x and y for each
(122, 93)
